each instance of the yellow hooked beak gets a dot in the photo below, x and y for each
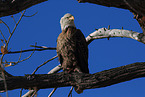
(71, 18)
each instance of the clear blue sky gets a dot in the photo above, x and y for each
(104, 54)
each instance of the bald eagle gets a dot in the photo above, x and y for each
(72, 48)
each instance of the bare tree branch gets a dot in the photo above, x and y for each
(31, 15)
(44, 64)
(52, 92)
(107, 33)
(2, 74)
(54, 70)
(135, 6)
(70, 93)
(10, 7)
(15, 63)
(13, 18)
(6, 26)
(80, 81)
(4, 51)
(41, 49)
(98, 34)
(11, 33)
(28, 93)
(3, 37)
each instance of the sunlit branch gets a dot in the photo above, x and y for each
(107, 33)
(34, 94)
(28, 93)
(55, 70)
(70, 93)
(52, 92)
(51, 48)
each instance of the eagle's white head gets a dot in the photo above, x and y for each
(66, 21)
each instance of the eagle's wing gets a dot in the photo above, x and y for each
(72, 50)
(81, 51)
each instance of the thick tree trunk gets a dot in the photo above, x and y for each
(79, 81)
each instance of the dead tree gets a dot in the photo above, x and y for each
(79, 81)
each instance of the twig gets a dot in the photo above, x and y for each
(55, 70)
(15, 28)
(49, 48)
(28, 93)
(26, 58)
(21, 92)
(31, 15)
(52, 92)
(70, 93)
(44, 64)
(23, 59)
(6, 26)
(3, 36)
(34, 94)
(3, 75)
(20, 55)
(13, 18)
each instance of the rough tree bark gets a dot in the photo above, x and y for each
(136, 6)
(10, 7)
(78, 80)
